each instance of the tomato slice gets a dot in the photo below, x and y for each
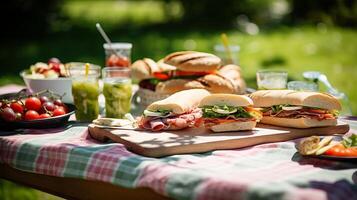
(340, 150)
(329, 116)
(161, 76)
(317, 111)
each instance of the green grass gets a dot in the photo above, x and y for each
(330, 50)
(10, 191)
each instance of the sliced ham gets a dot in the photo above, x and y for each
(185, 120)
(302, 113)
(157, 124)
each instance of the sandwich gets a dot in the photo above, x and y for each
(229, 112)
(296, 109)
(177, 111)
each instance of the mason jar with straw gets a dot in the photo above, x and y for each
(85, 91)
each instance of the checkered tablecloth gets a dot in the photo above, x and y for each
(269, 171)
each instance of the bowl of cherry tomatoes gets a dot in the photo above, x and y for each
(40, 110)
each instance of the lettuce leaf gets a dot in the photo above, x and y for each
(240, 113)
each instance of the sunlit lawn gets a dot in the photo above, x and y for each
(330, 50)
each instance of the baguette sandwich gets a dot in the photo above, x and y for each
(229, 112)
(297, 109)
(177, 111)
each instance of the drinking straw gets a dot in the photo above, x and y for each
(106, 38)
(226, 46)
(87, 69)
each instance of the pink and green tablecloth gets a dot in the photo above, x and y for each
(269, 171)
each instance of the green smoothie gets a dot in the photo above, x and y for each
(85, 95)
(117, 95)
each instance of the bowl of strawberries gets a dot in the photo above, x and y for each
(38, 110)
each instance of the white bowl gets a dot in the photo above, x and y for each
(60, 86)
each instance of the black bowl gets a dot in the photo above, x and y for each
(51, 122)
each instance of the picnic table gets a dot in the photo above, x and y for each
(67, 162)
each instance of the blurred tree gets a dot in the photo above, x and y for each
(337, 12)
(28, 17)
(222, 13)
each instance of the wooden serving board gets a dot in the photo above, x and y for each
(197, 140)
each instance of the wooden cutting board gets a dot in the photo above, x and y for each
(197, 140)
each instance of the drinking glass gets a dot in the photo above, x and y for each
(85, 91)
(271, 79)
(117, 54)
(221, 52)
(303, 86)
(117, 91)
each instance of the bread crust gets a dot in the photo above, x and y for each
(298, 122)
(226, 99)
(267, 98)
(172, 86)
(193, 61)
(234, 126)
(233, 73)
(144, 69)
(217, 84)
(180, 102)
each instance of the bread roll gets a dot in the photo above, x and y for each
(164, 67)
(217, 84)
(180, 102)
(171, 86)
(267, 98)
(193, 61)
(226, 99)
(233, 74)
(143, 69)
(234, 126)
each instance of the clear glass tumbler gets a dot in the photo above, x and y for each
(272, 79)
(85, 91)
(221, 52)
(117, 54)
(303, 86)
(117, 91)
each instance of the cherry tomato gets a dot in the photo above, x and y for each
(31, 115)
(44, 116)
(17, 107)
(44, 99)
(54, 60)
(64, 107)
(8, 114)
(33, 103)
(48, 106)
(340, 150)
(58, 102)
(114, 60)
(58, 112)
(55, 67)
